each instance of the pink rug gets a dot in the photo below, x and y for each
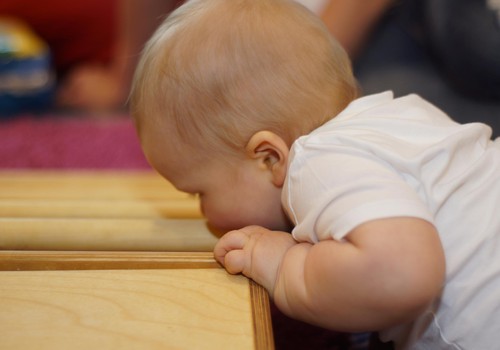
(70, 142)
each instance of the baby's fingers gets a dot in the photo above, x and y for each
(234, 261)
(231, 241)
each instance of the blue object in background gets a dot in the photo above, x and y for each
(27, 81)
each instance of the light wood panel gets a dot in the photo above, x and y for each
(125, 309)
(105, 234)
(122, 261)
(182, 208)
(128, 300)
(99, 210)
(82, 185)
(18, 260)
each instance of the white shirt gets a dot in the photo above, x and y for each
(384, 157)
(315, 6)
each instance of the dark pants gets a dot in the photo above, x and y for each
(447, 51)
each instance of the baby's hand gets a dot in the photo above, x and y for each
(254, 251)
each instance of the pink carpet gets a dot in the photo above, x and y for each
(70, 143)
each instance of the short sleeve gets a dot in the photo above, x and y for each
(331, 191)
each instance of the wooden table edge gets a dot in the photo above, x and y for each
(16, 260)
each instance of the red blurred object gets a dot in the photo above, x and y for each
(76, 31)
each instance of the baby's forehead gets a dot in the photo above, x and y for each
(162, 143)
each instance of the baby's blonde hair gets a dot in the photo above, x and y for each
(217, 71)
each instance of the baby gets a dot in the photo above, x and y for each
(393, 208)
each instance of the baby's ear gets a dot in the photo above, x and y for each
(271, 154)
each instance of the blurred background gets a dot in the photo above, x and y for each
(78, 57)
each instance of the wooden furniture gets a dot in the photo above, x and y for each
(98, 211)
(116, 261)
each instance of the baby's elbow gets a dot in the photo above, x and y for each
(417, 292)
(421, 298)
(407, 257)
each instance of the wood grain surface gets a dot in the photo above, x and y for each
(125, 309)
(117, 260)
(44, 210)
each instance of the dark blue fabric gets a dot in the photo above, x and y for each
(447, 51)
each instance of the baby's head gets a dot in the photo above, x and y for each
(218, 72)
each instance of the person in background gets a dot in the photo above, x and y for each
(446, 51)
(79, 34)
(93, 45)
(106, 87)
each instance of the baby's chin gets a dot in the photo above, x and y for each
(216, 231)
(221, 228)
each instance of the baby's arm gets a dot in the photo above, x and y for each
(385, 273)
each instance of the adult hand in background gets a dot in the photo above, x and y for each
(94, 88)
(351, 21)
